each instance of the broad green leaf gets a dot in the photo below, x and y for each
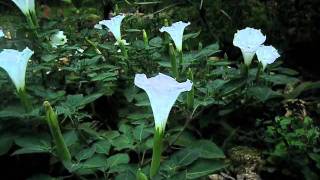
(203, 168)
(117, 159)
(207, 149)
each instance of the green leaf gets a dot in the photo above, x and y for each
(102, 146)
(207, 149)
(263, 93)
(305, 86)
(96, 161)
(86, 153)
(117, 159)
(156, 42)
(203, 168)
(6, 142)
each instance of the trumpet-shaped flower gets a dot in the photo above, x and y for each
(58, 39)
(176, 32)
(113, 25)
(267, 55)
(162, 91)
(26, 6)
(1, 34)
(248, 40)
(15, 64)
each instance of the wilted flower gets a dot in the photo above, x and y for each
(2, 34)
(58, 39)
(162, 91)
(267, 55)
(15, 64)
(113, 25)
(176, 32)
(248, 40)
(26, 6)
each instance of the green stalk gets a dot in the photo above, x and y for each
(258, 72)
(156, 152)
(145, 38)
(61, 147)
(190, 95)
(174, 65)
(244, 70)
(24, 100)
(123, 50)
(180, 58)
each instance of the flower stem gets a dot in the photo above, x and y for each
(258, 72)
(190, 95)
(156, 152)
(174, 65)
(61, 147)
(24, 100)
(123, 50)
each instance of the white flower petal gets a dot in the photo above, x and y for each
(15, 64)
(122, 41)
(58, 39)
(98, 26)
(114, 25)
(162, 91)
(267, 55)
(248, 40)
(1, 34)
(26, 6)
(176, 32)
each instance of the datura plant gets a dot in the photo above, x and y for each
(114, 26)
(58, 39)
(267, 55)
(15, 64)
(162, 91)
(27, 7)
(248, 40)
(176, 31)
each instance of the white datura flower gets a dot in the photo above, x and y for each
(114, 25)
(58, 39)
(26, 6)
(15, 64)
(1, 34)
(176, 32)
(248, 40)
(267, 55)
(162, 91)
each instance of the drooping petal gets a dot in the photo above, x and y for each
(267, 55)
(15, 64)
(26, 6)
(114, 25)
(58, 39)
(248, 40)
(176, 32)
(162, 91)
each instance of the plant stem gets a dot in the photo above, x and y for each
(174, 65)
(51, 117)
(258, 72)
(156, 152)
(24, 100)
